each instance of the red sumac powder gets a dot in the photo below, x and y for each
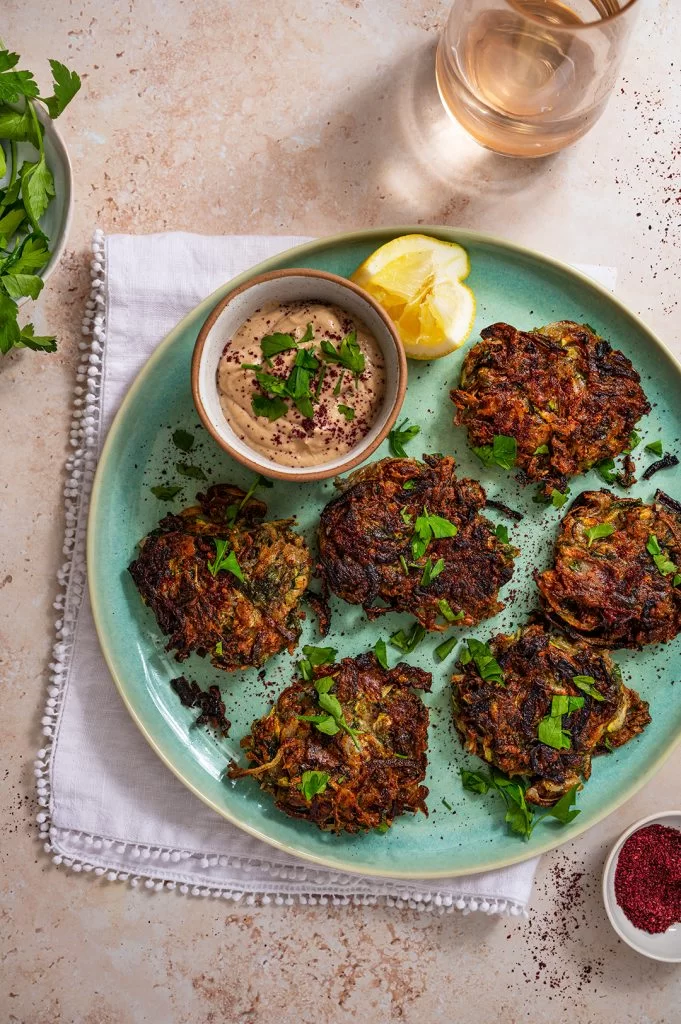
(648, 878)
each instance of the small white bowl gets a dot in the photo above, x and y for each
(56, 220)
(666, 946)
(294, 286)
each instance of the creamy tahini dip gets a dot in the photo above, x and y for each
(294, 439)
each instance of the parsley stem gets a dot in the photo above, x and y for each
(36, 124)
(13, 160)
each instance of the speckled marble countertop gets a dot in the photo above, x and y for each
(216, 116)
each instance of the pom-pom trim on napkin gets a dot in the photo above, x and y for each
(162, 868)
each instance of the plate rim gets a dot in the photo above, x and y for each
(203, 309)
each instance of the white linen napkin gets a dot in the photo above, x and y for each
(108, 803)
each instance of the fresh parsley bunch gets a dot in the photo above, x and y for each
(27, 192)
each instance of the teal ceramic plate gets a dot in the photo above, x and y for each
(463, 832)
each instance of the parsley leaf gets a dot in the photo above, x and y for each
(634, 442)
(475, 782)
(381, 652)
(427, 527)
(502, 533)
(543, 449)
(18, 286)
(502, 452)
(10, 333)
(444, 649)
(447, 613)
(408, 485)
(431, 572)
(226, 560)
(312, 783)
(272, 408)
(183, 440)
(558, 498)
(65, 84)
(320, 655)
(550, 730)
(37, 189)
(272, 344)
(588, 685)
(348, 355)
(347, 411)
(218, 648)
(565, 810)
(165, 493)
(663, 563)
(488, 667)
(606, 470)
(655, 447)
(598, 531)
(520, 817)
(195, 472)
(408, 642)
(398, 437)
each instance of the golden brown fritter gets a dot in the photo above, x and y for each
(616, 590)
(366, 544)
(366, 772)
(566, 396)
(500, 722)
(237, 622)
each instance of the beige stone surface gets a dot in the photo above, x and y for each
(289, 116)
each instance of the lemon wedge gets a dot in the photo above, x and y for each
(418, 281)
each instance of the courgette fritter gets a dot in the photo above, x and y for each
(368, 533)
(499, 722)
(368, 770)
(616, 590)
(567, 397)
(238, 622)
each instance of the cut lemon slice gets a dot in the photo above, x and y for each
(417, 280)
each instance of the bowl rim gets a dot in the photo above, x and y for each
(62, 149)
(304, 473)
(609, 866)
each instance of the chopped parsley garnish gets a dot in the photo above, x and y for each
(399, 436)
(312, 783)
(272, 344)
(195, 472)
(408, 485)
(426, 528)
(520, 817)
(488, 667)
(183, 440)
(599, 531)
(558, 498)
(406, 516)
(502, 452)
(315, 656)
(430, 571)
(550, 730)
(607, 470)
(166, 493)
(501, 532)
(446, 611)
(218, 648)
(232, 511)
(676, 580)
(347, 411)
(408, 642)
(381, 652)
(543, 449)
(320, 655)
(272, 408)
(348, 355)
(663, 563)
(333, 720)
(444, 649)
(655, 447)
(588, 685)
(634, 442)
(225, 560)
(445, 803)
